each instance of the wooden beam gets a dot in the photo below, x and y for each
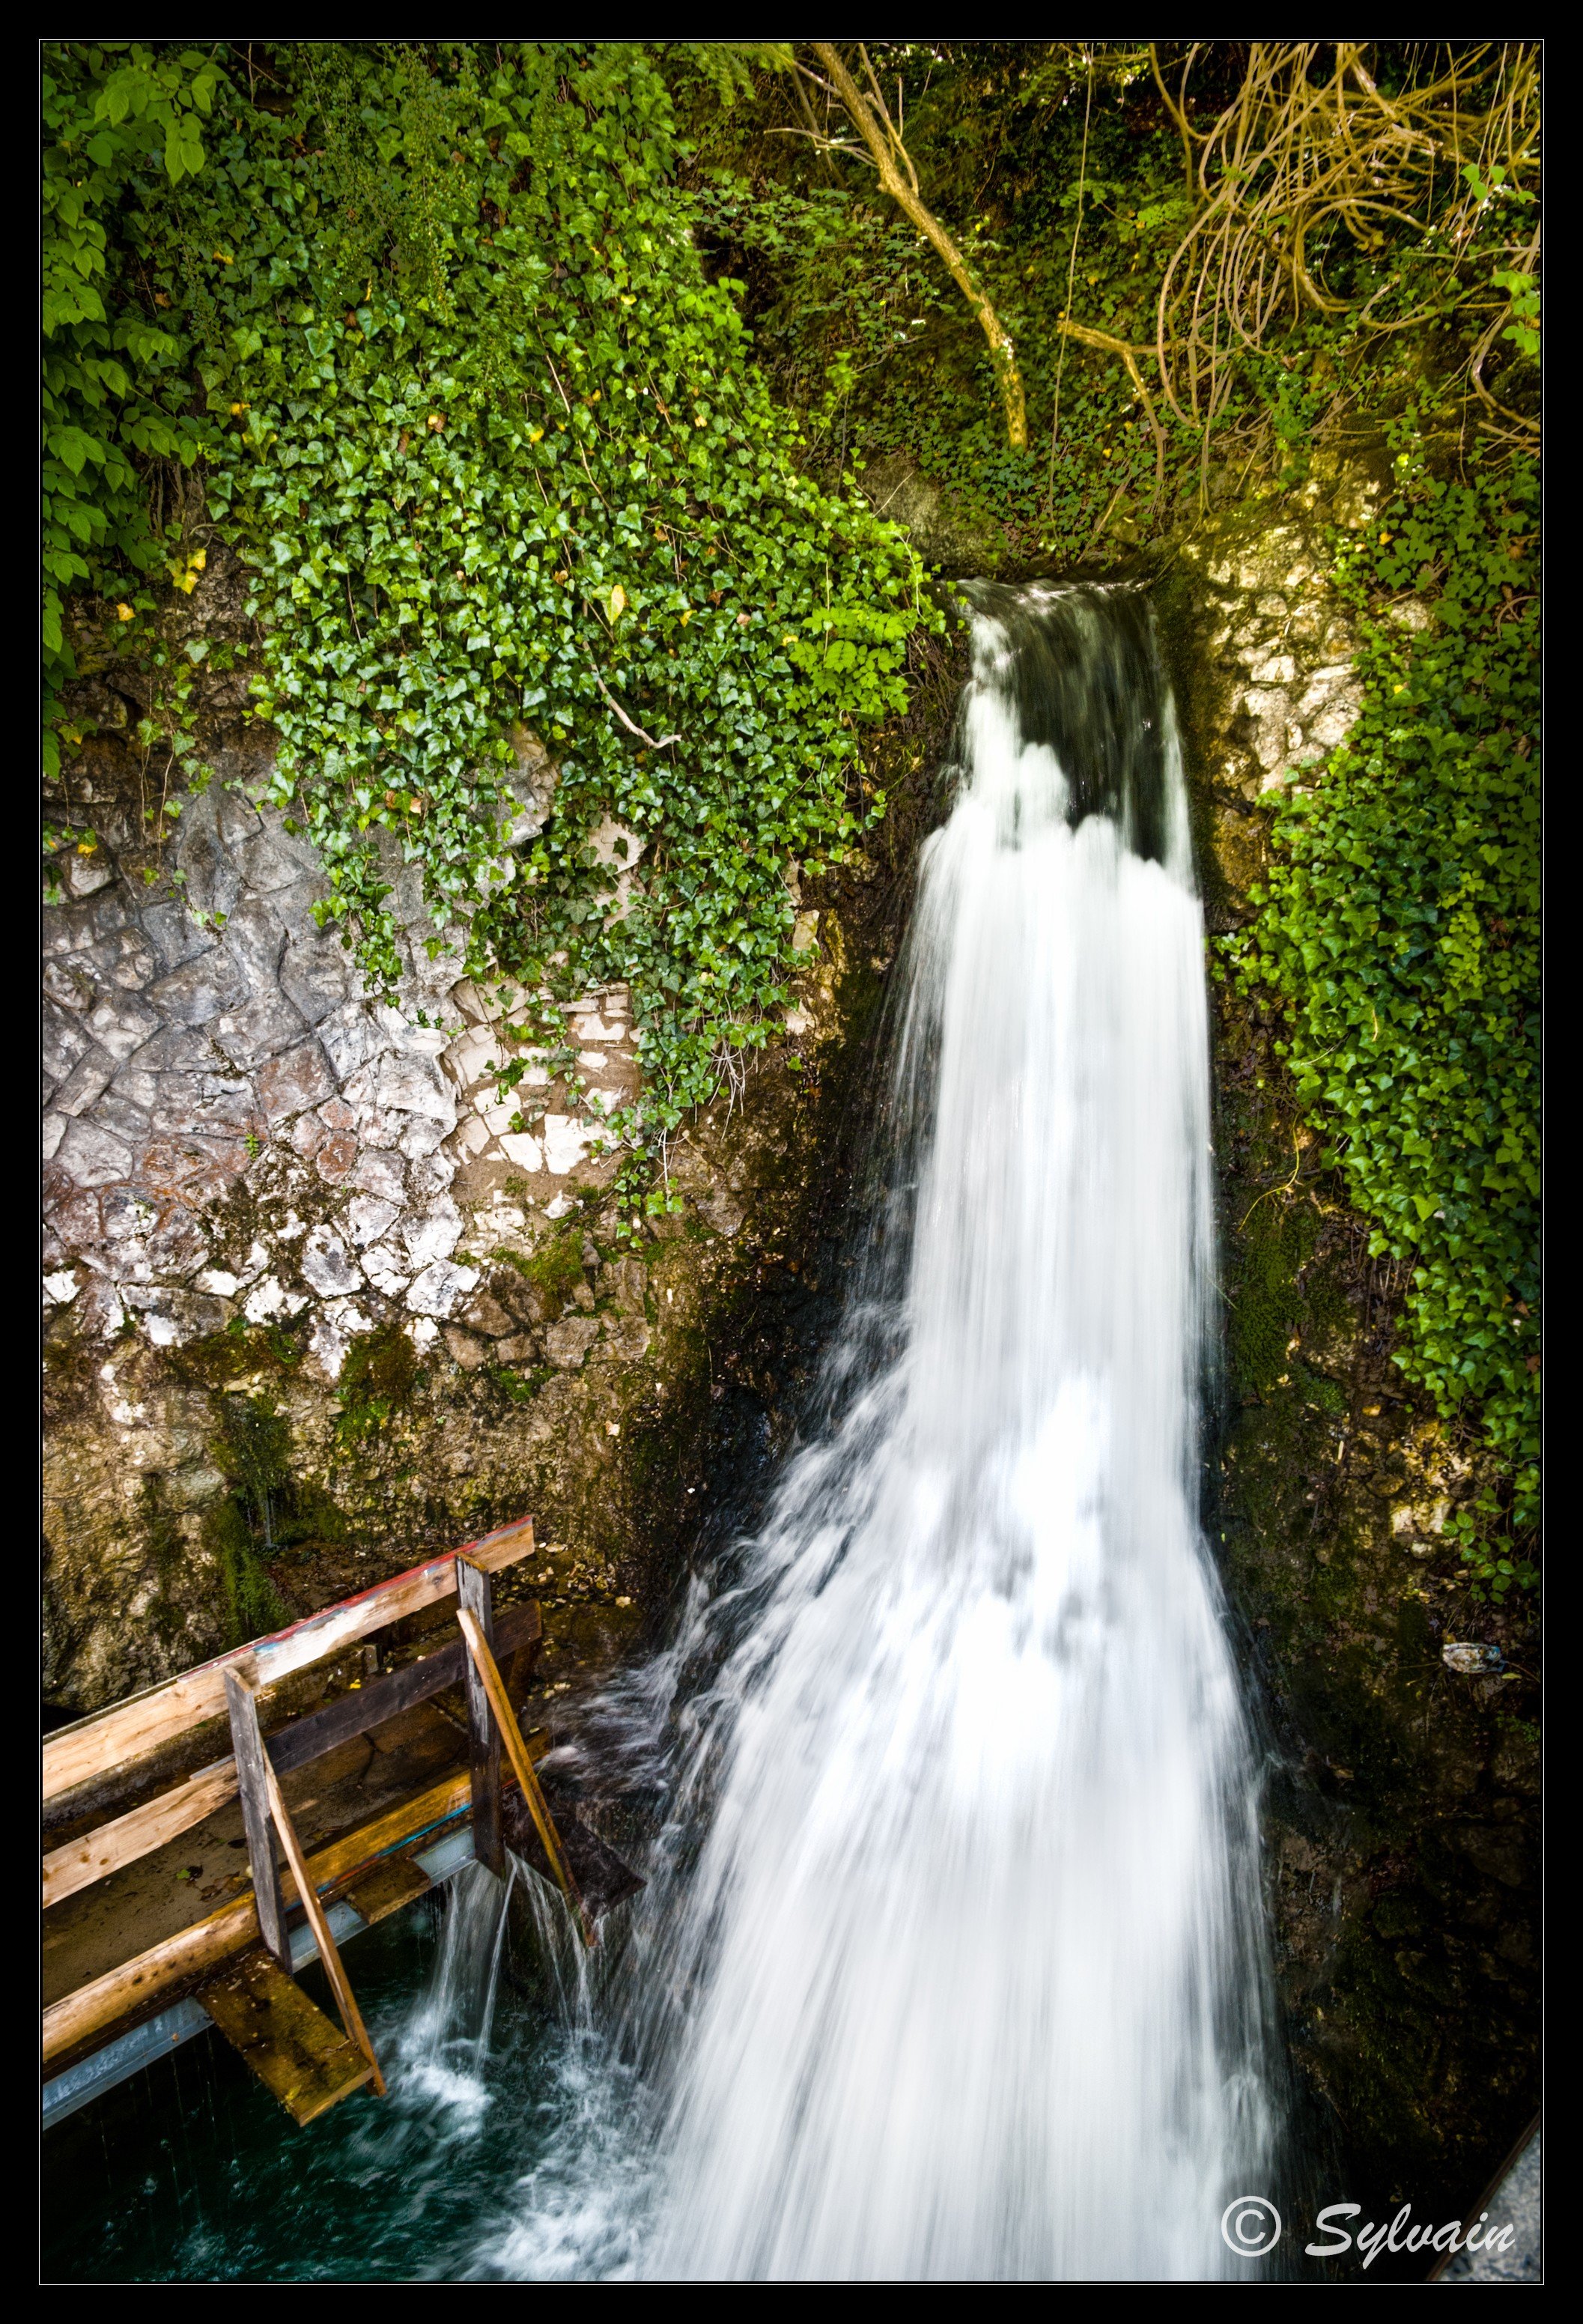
(141, 1829)
(522, 1768)
(484, 1734)
(176, 1961)
(256, 1779)
(297, 2054)
(346, 2002)
(377, 1700)
(387, 1889)
(75, 1755)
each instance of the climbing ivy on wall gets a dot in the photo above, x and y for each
(1400, 930)
(499, 460)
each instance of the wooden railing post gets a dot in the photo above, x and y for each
(484, 1734)
(252, 1778)
(522, 1768)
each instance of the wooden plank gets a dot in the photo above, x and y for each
(340, 1986)
(297, 2054)
(388, 1889)
(143, 1829)
(377, 1700)
(484, 1734)
(254, 1778)
(74, 1754)
(522, 1768)
(92, 2008)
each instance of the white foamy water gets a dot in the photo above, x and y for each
(958, 1972)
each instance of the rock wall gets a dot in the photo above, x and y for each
(1402, 1814)
(313, 1305)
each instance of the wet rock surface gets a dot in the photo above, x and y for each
(1400, 1712)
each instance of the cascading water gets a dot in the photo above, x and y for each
(951, 1960)
(965, 1976)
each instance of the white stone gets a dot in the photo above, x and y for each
(567, 1139)
(1279, 669)
(497, 1119)
(219, 1282)
(386, 1269)
(423, 1333)
(524, 1151)
(473, 1054)
(335, 1328)
(797, 1020)
(265, 1299)
(54, 1131)
(435, 1235)
(404, 1082)
(559, 1207)
(327, 1265)
(438, 1289)
(61, 1289)
(421, 1135)
(430, 1176)
(379, 1173)
(255, 1264)
(472, 1138)
(369, 1217)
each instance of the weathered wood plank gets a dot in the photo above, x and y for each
(137, 1833)
(380, 1699)
(340, 1984)
(297, 2054)
(522, 1768)
(143, 1829)
(484, 1734)
(73, 1755)
(131, 1987)
(255, 1780)
(387, 1889)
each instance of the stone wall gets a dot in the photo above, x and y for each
(317, 1298)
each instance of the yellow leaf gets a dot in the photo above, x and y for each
(534, 435)
(87, 846)
(123, 613)
(199, 559)
(687, 616)
(436, 422)
(617, 601)
(236, 410)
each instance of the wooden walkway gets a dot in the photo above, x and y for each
(302, 1787)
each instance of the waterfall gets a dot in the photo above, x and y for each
(965, 1976)
(952, 1962)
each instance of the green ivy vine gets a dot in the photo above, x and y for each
(500, 463)
(1400, 933)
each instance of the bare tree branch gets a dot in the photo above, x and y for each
(891, 159)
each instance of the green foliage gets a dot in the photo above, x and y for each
(500, 460)
(1399, 931)
(252, 1605)
(378, 1377)
(113, 391)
